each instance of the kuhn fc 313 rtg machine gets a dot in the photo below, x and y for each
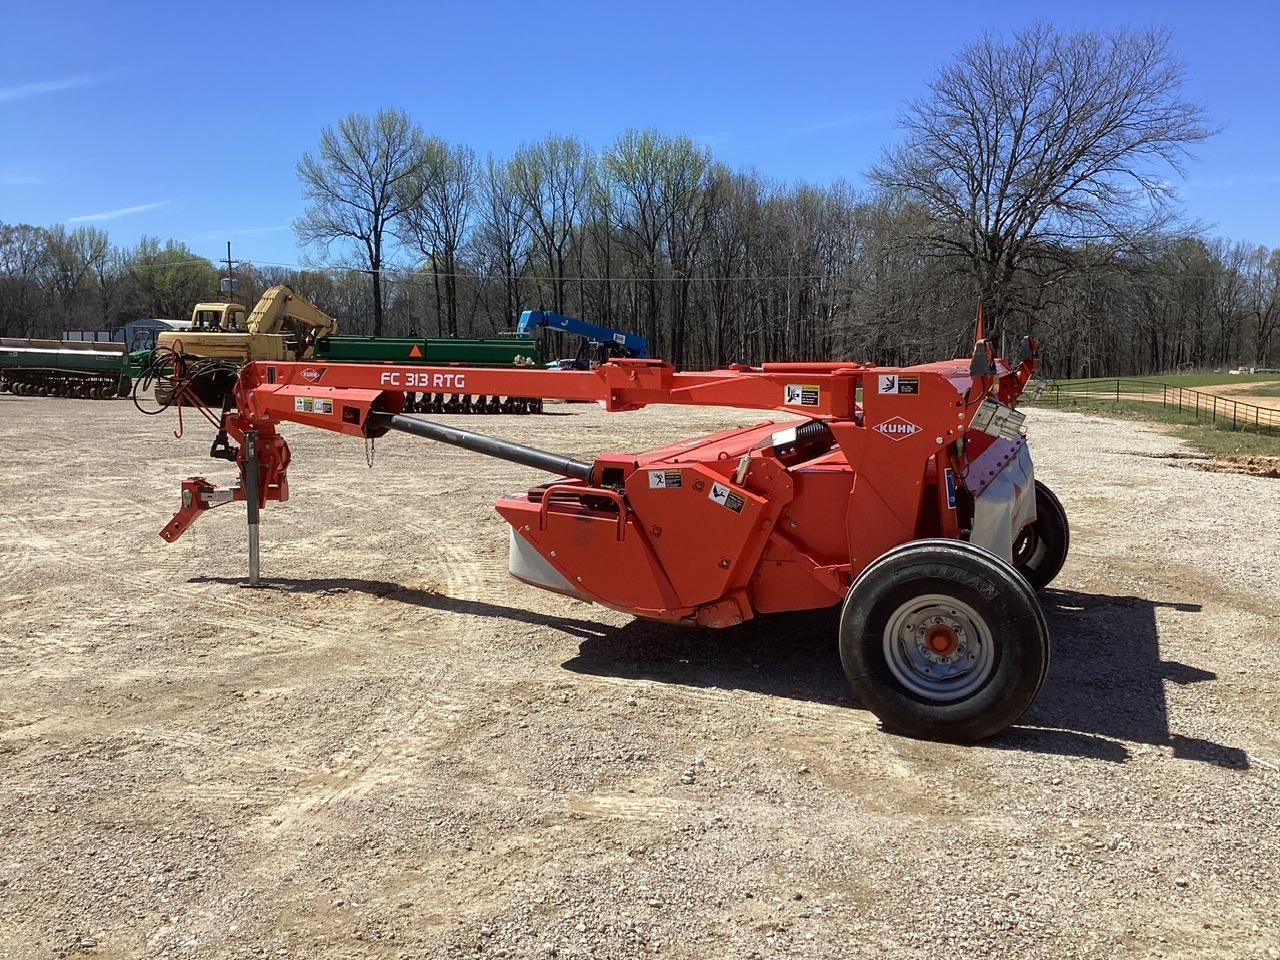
(905, 494)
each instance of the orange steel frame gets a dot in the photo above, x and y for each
(741, 522)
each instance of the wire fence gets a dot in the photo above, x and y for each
(1193, 405)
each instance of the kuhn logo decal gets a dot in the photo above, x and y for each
(897, 428)
(311, 376)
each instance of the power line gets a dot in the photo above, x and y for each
(413, 280)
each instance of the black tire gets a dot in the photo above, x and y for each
(967, 599)
(1041, 548)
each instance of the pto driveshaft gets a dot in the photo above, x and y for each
(480, 443)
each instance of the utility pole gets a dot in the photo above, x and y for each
(230, 282)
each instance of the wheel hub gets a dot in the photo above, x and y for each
(942, 639)
(939, 648)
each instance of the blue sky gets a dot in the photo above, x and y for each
(187, 121)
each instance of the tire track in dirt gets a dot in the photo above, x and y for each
(390, 740)
(20, 543)
(391, 737)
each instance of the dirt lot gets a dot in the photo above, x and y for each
(1246, 393)
(396, 751)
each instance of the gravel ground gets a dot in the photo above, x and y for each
(394, 750)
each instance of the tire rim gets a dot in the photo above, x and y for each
(938, 648)
(1029, 549)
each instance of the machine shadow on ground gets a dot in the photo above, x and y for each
(1105, 683)
(417, 597)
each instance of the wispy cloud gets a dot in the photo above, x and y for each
(717, 139)
(19, 180)
(122, 212)
(24, 91)
(822, 126)
(243, 232)
(1227, 183)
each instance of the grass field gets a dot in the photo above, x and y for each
(1269, 389)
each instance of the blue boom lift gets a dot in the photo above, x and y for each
(599, 343)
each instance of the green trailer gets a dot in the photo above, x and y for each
(439, 352)
(511, 352)
(97, 370)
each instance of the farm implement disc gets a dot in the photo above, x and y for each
(904, 495)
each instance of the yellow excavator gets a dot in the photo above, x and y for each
(283, 325)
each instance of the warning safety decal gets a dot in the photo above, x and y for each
(727, 498)
(313, 405)
(894, 383)
(664, 479)
(801, 395)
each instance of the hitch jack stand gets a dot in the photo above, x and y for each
(251, 483)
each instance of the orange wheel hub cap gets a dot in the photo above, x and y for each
(941, 639)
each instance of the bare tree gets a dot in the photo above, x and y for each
(110, 271)
(553, 179)
(23, 257)
(1024, 151)
(365, 175)
(1230, 295)
(438, 223)
(502, 235)
(71, 258)
(634, 171)
(658, 191)
(691, 193)
(1263, 279)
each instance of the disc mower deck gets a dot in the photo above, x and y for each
(905, 494)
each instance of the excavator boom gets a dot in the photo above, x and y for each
(281, 303)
